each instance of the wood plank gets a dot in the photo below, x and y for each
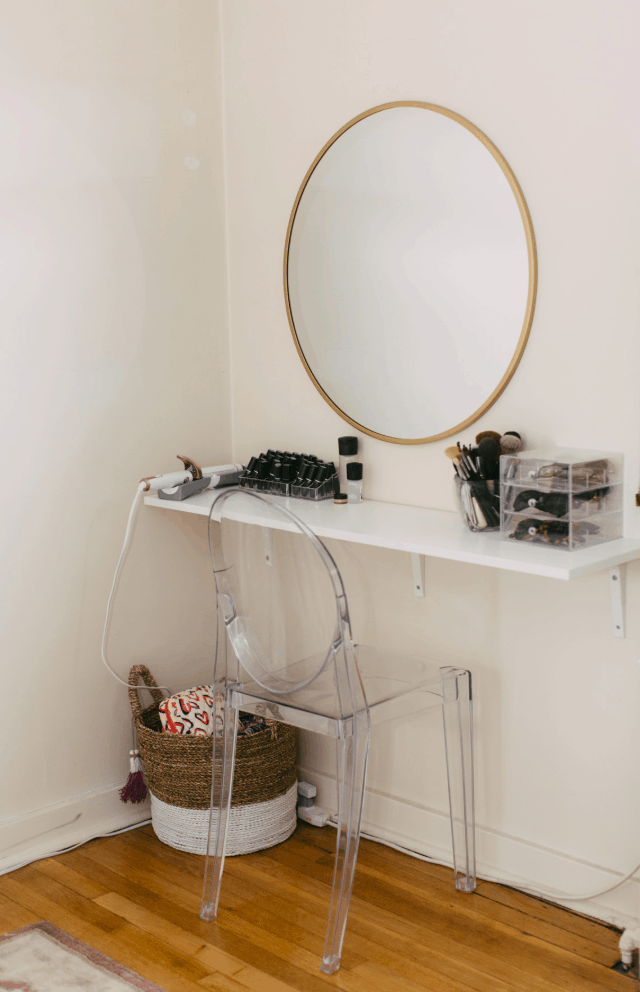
(193, 864)
(219, 961)
(13, 915)
(207, 955)
(153, 924)
(220, 983)
(72, 879)
(376, 976)
(128, 864)
(558, 916)
(146, 873)
(258, 981)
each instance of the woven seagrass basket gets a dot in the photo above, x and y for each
(178, 770)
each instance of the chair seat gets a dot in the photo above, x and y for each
(385, 677)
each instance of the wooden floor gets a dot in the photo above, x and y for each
(137, 901)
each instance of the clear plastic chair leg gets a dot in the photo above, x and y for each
(220, 805)
(458, 737)
(352, 772)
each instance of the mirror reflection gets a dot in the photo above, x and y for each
(410, 273)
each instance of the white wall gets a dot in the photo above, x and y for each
(554, 86)
(114, 359)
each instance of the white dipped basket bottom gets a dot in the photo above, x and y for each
(253, 827)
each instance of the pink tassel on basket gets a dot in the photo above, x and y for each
(135, 791)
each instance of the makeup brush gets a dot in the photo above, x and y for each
(510, 442)
(485, 434)
(483, 502)
(473, 505)
(454, 455)
(469, 462)
(489, 452)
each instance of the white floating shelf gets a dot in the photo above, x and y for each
(436, 533)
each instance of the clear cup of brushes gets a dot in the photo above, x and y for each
(476, 485)
(473, 502)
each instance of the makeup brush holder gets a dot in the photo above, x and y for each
(562, 498)
(477, 504)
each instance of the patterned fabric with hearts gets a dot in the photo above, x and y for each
(189, 712)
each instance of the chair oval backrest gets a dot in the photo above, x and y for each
(279, 591)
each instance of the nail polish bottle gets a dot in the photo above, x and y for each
(354, 482)
(348, 452)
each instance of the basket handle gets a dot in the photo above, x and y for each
(142, 672)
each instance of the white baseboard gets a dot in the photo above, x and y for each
(511, 860)
(54, 828)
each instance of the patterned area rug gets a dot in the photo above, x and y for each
(42, 958)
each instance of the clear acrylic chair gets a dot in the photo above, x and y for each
(282, 603)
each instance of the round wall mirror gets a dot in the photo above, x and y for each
(410, 272)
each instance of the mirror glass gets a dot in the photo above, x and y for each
(410, 272)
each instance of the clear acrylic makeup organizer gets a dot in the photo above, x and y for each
(282, 603)
(564, 498)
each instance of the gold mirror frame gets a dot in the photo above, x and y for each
(531, 250)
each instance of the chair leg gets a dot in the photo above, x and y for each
(220, 805)
(352, 771)
(458, 737)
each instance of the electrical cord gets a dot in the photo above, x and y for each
(54, 854)
(123, 554)
(530, 890)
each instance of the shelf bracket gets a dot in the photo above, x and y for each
(417, 564)
(617, 584)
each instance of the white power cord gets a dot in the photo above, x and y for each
(143, 487)
(541, 893)
(54, 854)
